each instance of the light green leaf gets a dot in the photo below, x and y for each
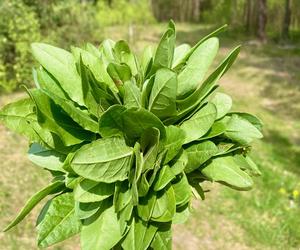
(182, 190)
(59, 222)
(199, 123)
(182, 214)
(162, 101)
(254, 120)
(119, 73)
(86, 210)
(223, 104)
(91, 191)
(179, 162)
(122, 195)
(104, 160)
(218, 128)
(227, 171)
(164, 208)
(132, 95)
(61, 64)
(182, 62)
(241, 130)
(174, 141)
(48, 82)
(163, 238)
(130, 122)
(17, 115)
(199, 153)
(103, 231)
(165, 176)
(180, 53)
(203, 90)
(196, 67)
(124, 54)
(53, 188)
(165, 49)
(78, 115)
(51, 118)
(150, 147)
(139, 236)
(46, 158)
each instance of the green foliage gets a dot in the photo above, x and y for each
(126, 149)
(123, 12)
(18, 27)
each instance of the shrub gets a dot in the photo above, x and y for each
(129, 141)
(18, 27)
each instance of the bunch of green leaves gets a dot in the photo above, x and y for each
(129, 141)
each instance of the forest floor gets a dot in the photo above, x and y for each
(265, 81)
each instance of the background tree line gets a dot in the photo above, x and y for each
(64, 22)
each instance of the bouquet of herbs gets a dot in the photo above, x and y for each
(129, 140)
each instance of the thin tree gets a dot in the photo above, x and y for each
(286, 20)
(262, 20)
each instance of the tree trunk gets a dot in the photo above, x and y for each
(248, 12)
(196, 11)
(286, 20)
(262, 20)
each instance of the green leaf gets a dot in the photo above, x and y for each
(139, 236)
(122, 195)
(227, 171)
(146, 91)
(150, 147)
(179, 162)
(182, 214)
(254, 120)
(53, 188)
(218, 128)
(78, 115)
(91, 191)
(124, 54)
(164, 208)
(119, 73)
(162, 101)
(17, 117)
(59, 221)
(182, 190)
(241, 131)
(51, 118)
(165, 176)
(61, 64)
(247, 164)
(203, 90)
(86, 210)
(163, 238)
(199, 153)
(132, 95)
(46, 158)
(48, 82)
(102, 231)
(196, 67)
(223, 104)
(180, 53)
(104, 160)
(174, 141)
(130, 122)
(165, 49)
(199, 123)
(182, 62)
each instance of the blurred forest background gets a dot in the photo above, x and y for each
(265, 81)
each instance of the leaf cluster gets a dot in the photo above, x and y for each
(129, 141)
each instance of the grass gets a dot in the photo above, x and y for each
(265, 81)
